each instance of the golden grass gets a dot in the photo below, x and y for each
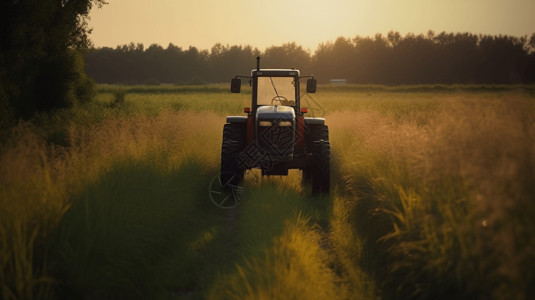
(457, 187)
(346, 248)
(294, 267)
(39, 180)
(432, 194)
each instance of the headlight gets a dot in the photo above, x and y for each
(285, 123)
(264, 123)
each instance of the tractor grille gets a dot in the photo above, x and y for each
(277, 141)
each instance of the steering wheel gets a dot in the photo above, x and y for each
(279, 98)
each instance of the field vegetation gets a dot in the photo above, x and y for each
(432, 197)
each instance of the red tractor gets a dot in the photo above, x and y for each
(275, 135)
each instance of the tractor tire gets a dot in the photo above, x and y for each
(318, 132)
(234, 132)
(321, 167)
(233, 143)
(307, 176)
(231, 172)
(315, 133)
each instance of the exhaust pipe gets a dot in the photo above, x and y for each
(258, 63)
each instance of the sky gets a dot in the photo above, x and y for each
(266, 23)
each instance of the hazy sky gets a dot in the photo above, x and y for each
(264, 23)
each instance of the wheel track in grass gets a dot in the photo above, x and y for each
(274, 216)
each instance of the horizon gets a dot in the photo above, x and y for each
(311, 52)
(203, 24)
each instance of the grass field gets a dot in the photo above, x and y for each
(433, 192)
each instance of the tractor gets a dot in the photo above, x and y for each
(275, 135)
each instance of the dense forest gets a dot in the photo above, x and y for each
(391, 59)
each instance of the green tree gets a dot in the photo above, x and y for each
(41, 67)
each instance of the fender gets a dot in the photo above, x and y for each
(236, 119)
(314, 121)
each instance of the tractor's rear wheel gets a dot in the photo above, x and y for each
(318, 172)
(232, 172)
(321, 167)
(316, 133)
(307, 176)
(234, 132)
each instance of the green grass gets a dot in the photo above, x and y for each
(121, 227)
(432, 198)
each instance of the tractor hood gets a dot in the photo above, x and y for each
(269, 112)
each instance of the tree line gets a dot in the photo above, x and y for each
(391, 59)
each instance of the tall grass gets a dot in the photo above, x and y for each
(294, 267)
(444, 204)
(41, 181)
(280, 247)
(432, 198)
(292, 246)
